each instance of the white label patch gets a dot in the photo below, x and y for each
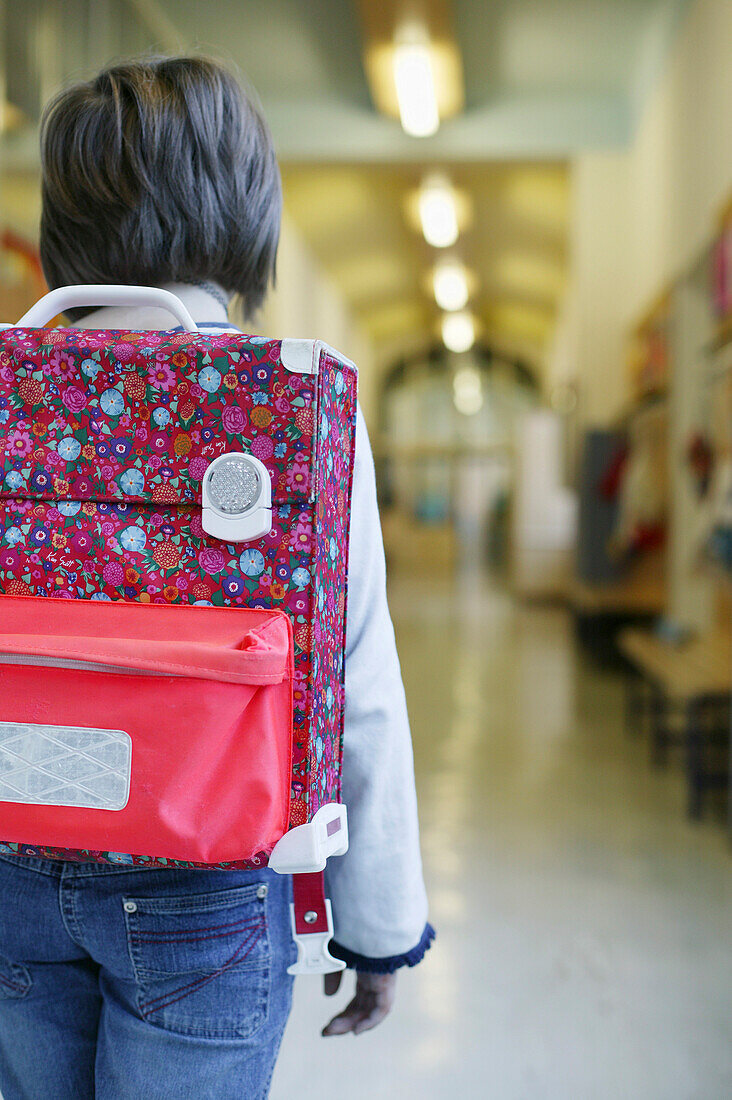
(64, 765)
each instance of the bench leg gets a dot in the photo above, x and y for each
(636, 704)
(694, 768)
(706, 733)
(661, 736)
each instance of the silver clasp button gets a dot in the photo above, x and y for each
(236, 497)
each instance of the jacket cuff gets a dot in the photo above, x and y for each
(389, 963)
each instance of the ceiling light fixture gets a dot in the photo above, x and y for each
(438, 212)
(450, 285)
(458, 331)
(415, 83)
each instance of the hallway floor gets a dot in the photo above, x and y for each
(584, 945)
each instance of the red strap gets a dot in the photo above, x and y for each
(308, 895)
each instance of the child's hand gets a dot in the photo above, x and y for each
(373, 1001)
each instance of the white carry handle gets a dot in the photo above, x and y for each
(92, 294)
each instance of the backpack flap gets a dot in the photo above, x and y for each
(141, 417)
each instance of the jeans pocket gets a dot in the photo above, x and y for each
(202, 961)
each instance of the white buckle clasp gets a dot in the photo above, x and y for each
(236, 498)
(313, 956)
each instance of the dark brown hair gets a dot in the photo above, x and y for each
(160, 170)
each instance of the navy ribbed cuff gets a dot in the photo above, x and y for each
(388, 964)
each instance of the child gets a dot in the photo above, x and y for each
(162, 172)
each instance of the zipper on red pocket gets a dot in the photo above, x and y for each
(31, 659)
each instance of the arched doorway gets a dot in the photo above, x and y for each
(447, 423)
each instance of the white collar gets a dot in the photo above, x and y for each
(201, 305)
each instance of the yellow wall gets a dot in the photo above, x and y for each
(681, 162)
(305, 303)
(589, 341)
(641, 218)
(641, 215)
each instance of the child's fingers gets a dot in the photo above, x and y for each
(357, 1018)
(332, 982)
(371, 1019)
(344, 1022)
(373, 1002)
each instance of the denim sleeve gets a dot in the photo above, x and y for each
(376, 889)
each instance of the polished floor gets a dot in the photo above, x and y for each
(584, 944)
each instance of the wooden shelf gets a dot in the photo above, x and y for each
(684, 670)
(631, 596)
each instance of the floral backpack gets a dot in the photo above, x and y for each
(174, 513)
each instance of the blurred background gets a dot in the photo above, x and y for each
(516, 217)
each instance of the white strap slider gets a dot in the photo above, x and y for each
(313, 956)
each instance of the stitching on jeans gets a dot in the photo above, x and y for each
(187, 931)
(66, 895)
(204, 981)
(209, 977)
(19, 987)
(99, 868)
(276, 1051)
(207, 904)
(184, 991)
(195, 939)
(28, 864)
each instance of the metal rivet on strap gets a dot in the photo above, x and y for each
(130, 907)
(262, 891)
(310, 917)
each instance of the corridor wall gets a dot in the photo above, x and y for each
(305, 303)
(643, 218)
(642, 214)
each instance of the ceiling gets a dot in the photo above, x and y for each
(542, 77)
(354, 219)
(543, 80)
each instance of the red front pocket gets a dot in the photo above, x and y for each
(145, 728)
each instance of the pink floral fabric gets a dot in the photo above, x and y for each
(334, 474)
(104, 440)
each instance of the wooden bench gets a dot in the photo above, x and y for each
(683, 690)
(629, 597)
(600, 610)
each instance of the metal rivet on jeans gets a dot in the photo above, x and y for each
(310, 917)
(130, 907)
(262, 891)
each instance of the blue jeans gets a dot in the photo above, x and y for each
(118, 983)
